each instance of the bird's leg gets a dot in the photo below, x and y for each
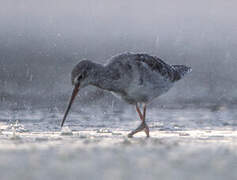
(146, 129)
(143, 125)
(139, 112)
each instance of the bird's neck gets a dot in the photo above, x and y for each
(101, 77)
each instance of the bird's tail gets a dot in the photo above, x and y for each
(181, 70)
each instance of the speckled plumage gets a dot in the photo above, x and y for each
(136, 78)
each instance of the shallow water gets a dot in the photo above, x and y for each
(123, 119)
(185, 143)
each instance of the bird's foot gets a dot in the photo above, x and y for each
(147, 131)
(130, 135)
(141, 127)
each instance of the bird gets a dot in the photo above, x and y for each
(136, 78)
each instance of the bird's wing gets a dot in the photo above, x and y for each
(157, 65)
(154, 63)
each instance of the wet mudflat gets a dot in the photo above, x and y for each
(184, 144)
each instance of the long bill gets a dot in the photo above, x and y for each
(74, 94)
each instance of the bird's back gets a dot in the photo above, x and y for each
(143, 77)
(126, 61)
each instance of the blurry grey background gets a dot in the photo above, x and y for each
(41, 41)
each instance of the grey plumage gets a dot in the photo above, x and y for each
(135, 78)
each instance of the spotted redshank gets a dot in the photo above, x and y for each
(135, 78)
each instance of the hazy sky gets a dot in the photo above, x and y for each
(40, 41)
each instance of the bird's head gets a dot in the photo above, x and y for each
(80, 77)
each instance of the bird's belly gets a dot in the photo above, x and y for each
(143, 94)
(126, 97)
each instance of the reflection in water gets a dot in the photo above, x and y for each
(159, 119)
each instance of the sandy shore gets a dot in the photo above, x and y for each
(109, 154)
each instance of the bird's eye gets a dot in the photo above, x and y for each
(79, 78)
